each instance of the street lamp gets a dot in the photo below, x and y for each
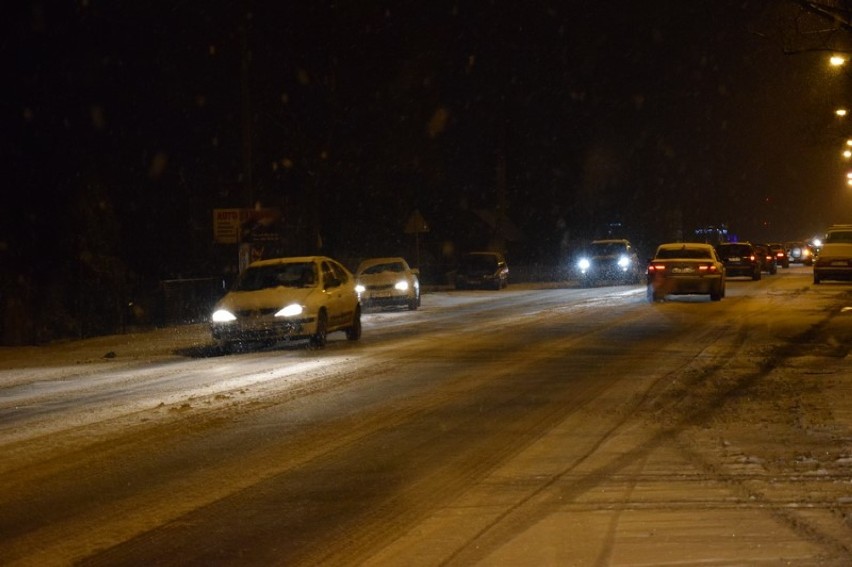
(840, 112)
(837, 60)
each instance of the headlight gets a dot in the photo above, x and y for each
(290, 311)
(623, 262)
(359, 288)
(401, 285)
(223, 316)
(584, 264)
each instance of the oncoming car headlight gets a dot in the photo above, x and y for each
(584, 264)
(623, 262)
(359, 288)
(401, 285)
(223, 316)
(290, 311)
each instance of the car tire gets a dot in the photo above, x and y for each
(654, 295)
(320, 336)
(756, 276)
(717, 294)
(773, 270)
(414, 303)
(353, 332)
(816, 279)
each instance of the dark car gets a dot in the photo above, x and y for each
(780, 252)
(800, 253)
(484, 270)
(740, 259)
(612, 260)
(768, 263)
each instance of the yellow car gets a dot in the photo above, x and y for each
(288, 298)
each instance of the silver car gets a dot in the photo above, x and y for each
(384, 282)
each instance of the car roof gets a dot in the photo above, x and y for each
(374, 261)
(611, 241)
(290, 260)
(685, 245)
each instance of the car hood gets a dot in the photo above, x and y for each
(265, 298)
(836, 250)
(388, 278)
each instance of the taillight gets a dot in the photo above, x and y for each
(707, 268)
(752, 258)
(657, 268)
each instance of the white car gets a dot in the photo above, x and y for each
(834, 261)
(387, 282)
(288, 298)
(686, 268)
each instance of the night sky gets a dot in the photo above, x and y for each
(126, 123)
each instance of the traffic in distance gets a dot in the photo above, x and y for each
(306, 298)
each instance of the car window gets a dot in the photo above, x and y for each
(839, 236)
(735, 250)
(339, 272)
(301, 274)
(678, 253)
(607, 248)
(327, 275)
(480, 261)
(395, 267)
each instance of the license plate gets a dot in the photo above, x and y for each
(734, 258)
(683, 270)
(381, 294)
(840, 263)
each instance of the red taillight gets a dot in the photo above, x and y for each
(707, 268)
(751, 258)
(657, 268)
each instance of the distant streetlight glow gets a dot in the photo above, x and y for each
(837, 60)
(847, 154)
(840, 112)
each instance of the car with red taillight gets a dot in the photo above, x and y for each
(686, 268)
(781, 258)
(740, 259)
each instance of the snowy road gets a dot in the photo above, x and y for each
(528, 426)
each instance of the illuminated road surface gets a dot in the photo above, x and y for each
(517, 427)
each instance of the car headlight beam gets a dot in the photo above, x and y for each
(401, 285)
(223, 316)
(584, 264)
(291, 310)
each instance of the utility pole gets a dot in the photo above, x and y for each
(245, 93)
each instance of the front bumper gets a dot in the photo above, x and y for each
(263, 329)
(834, 270)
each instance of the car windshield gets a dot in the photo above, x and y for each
(680, 253)
(839, 236)
(734, 250)
(480, 261)
(395, 267)
(607, 248)
(301, 274)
